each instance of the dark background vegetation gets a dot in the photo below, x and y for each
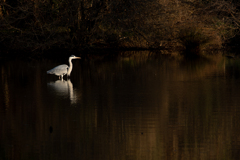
(40, 25)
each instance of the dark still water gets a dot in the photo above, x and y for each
(134, 106)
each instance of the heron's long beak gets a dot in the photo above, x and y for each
(77, 57)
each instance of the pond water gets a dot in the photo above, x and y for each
(130, 106)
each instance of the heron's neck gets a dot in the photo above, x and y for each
(70, 67)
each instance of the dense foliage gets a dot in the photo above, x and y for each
(77, 24)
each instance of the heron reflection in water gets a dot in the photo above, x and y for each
(63, 69)
(65, 89)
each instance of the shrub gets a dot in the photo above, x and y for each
(192, 39)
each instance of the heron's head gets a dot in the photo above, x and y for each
(74, 57)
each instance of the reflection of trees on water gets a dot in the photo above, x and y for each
(65, 89)
(129, 110)
(165, 108)
(5, 87)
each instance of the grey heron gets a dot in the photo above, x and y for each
(63, 69)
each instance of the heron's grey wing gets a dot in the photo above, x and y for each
(59, 70)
